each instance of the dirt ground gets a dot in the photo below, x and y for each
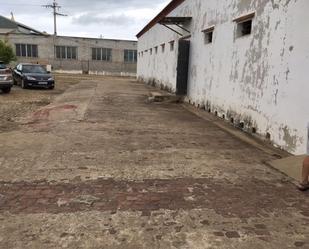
(22, 102)
(93, 164)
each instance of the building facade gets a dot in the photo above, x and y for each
(246, 62)
(73, 54)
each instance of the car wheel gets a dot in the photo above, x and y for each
(23, 84)
(6, 90)
(51, 87)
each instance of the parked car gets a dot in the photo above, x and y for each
(6, 81)
(32, 75)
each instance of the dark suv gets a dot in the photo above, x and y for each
(32, 75)
(6, 82)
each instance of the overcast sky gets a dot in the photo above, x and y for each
(120, 19)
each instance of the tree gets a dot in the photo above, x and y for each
(6, 53)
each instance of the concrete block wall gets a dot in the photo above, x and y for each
(84, 46)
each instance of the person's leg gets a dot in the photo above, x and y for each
(304, 185)
(305, 171)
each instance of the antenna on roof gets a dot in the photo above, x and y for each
(12, 17)
(55, 8)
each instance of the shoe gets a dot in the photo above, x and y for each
(303, 187)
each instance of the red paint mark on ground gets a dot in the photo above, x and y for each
(45, 112)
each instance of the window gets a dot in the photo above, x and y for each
(244, 28)
(172, 45)
(150, 51)
(33, 69)
(244, 25)
(65, 52)
(208, 35)
(102, 54)
(163, 48)
(156, 50)
(26, 50)
(130, 55)
(23, 50)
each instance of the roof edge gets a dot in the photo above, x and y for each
(168, 9)
(25, 26)
(94, 38)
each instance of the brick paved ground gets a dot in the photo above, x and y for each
(100, 167)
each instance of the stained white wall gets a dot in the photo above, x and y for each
(261, 79)
(159, 67)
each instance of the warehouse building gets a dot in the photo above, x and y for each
(74, 54)
(245, 61)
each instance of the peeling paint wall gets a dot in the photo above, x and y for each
(157, 67)
(259, 81)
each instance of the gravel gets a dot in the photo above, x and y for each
(21, 102)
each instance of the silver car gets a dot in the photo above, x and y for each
(6, 80)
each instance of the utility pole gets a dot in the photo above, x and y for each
(55, 8)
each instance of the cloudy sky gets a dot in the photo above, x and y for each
(120, 19)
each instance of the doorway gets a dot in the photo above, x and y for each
(182, 67)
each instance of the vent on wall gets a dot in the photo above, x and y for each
(172, 45)
(163, 47)
(208, 34)
(244, 24)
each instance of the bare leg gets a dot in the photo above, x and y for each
(305, 171)
(304, 185)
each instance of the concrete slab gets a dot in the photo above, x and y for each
(164, 97)
(290, 166)
(101, 167)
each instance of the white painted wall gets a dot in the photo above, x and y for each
(261, 79)
(160, 67)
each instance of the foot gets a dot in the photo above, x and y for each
(303, 186)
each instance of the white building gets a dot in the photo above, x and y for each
(247, 61)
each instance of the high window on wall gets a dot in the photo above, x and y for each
(130, 55)
(172, 45)
(156, 50)
(208, 35)
(162, 48)
(26, 50)
(244, 24)
(66, 52)
(101, 54)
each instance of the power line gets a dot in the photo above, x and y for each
(55, 8)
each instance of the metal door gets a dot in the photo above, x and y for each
(182, 67)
